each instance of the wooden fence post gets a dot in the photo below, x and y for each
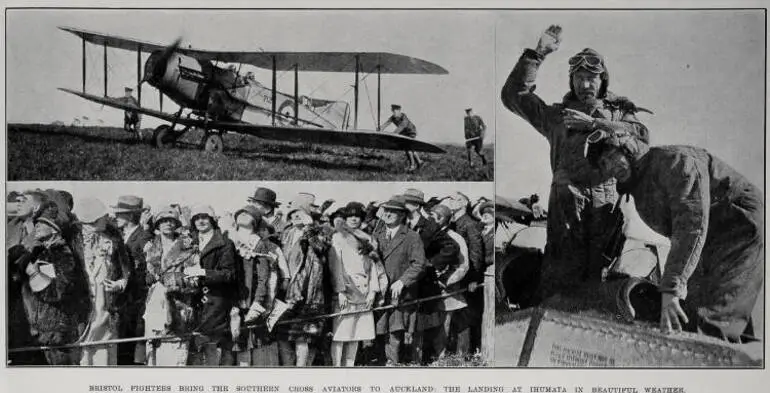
(488, 317)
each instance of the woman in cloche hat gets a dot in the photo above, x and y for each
(170, 306)
(352, 264)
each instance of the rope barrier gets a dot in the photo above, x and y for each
(248, 327)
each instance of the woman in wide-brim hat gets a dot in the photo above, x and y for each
(355, 283)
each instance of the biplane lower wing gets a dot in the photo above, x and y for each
(355, 138)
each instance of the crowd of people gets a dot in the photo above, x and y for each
(266, 285)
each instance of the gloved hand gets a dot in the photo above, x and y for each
(549, 41)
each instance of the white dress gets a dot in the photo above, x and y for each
(358, 274)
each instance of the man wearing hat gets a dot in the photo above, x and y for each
(403, 257)
(130, 117)
(441, 253)
(581, 198)
(475, 130)
(264, 199)
(404, 127)
(51, 287)
(128, 213)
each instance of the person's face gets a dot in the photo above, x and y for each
(412, 207)
(122, 219)
(438, 218)
(27, 205)
(43, 231)
(457, 202)
(203, 224)
(353, 222)
(615, 164)
(264, 208)
(392, 217)
(167, 227)
(586, 84)
(487, 218)
(397, 112)
(244, 222)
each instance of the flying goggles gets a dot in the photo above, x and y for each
(589, 62)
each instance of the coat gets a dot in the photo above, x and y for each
(714, 218)
(137, 286)
(118, 265)
(171, 298)
(468, 228)
(581, 198)
(404, 260)
(441, 253)
(474, 127)
(257, 283)
(307, 253)
(218, 286)
(54, 310)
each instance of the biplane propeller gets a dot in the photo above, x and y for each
(219, 100)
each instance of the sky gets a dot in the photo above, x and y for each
(40, 58)
(701, 72)
(230, 196)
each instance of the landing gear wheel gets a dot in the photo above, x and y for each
(213, 143)
(163, 136)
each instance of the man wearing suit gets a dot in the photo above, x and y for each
(441, 253)
(403, 256)
(128, 213)
(468, 228)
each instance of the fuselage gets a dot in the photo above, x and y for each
(221, 93)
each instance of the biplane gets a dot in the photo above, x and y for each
(217, 99)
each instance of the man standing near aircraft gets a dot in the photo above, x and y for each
(130, 118)
(475, 129)
(404, 127)
(581, 198)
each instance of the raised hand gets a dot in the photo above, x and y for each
(549, 40)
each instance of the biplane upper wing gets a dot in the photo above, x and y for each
(113, 41)
(368, 62)
(355, 138)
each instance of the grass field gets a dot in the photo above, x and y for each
(47, 152)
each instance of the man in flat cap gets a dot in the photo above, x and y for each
(404, 127)
(581, 197)
(475, 130)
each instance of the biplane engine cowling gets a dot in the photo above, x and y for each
(180, 77)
